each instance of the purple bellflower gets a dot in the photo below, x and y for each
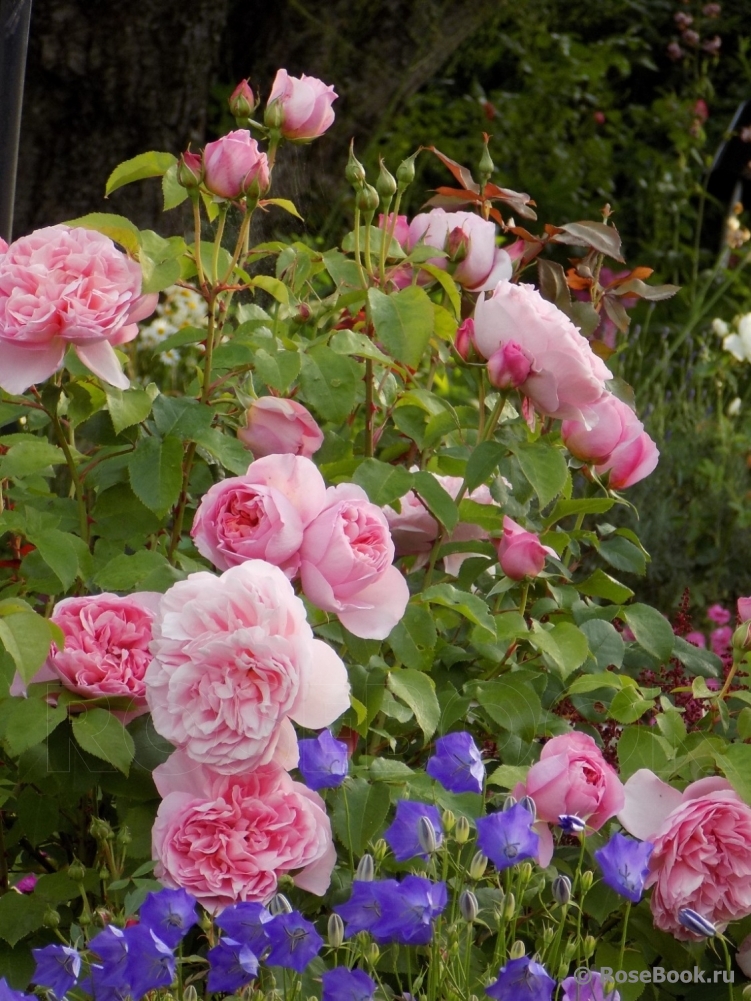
(170, 914)
(57, 968)
(403, 835)
(341, 984)
(457, 764)
(246, 922)
(294, 941)
(232, 965)
(507, 837)
(324, 762)
(625, 865)
(522, 980)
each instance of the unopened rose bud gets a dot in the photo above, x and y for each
(517, 950)
(477, 866)
(426, 835)
(386, 184)
(365, 871)
(509, 802)
(279, 905)
(51, 918)
(190, 170)
(690, 37)
(242, 103)
(589, 945)
(683, 19)
(509, 366)
(84, 919)
(367, 200)
(711, 10)
(100, 830)
(486, 165)
(405, 173)
(354, 171)
(464, 341)
(587, 879)
(104, 874)
(462, 831)
(468, 906)
(675, 52)
(457, 245)
(561, 890)
(712, 46)
(335, 931)
(124, 837)
(77, 871)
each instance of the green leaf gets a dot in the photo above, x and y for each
(512, 703)
(696, 660)
(20, 914)
(601, 585)
(27, 458)
(151, 164)
(734, 761)
(103, 735)
(628, 706)
(586, 505)
(61, 552)
(565, 644)
(488, 516)
(127, 407)
(631, 962)
(623, 555)
(278, 370)
(417, 690)
(37, 815)
(381, 482)
(116, 227)
(135, 573)
(232, 454)
(273, 286)
(439, 501)
(186, 335)
(545, 468)
(330, 382)
(156, 473)
(181, 416)
(173, 192)
(352, 342)
(639, 747)
(652, 630)
(26, 636)
(394, 249)
(283, 203)
(507, 776)
(604, 679)
(605, 643)
(483, 463)
(448, 285)
(26, 722)
(414, 638)
(403, 322)
(359, 812)
(471, 606)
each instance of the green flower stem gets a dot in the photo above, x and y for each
(197, 243)
(83, 516)
(218, 243)
(358, 255)
(384, 243)
(369, 446)
(728, 966)
(622, 949)
(241, 247)
(555, 946)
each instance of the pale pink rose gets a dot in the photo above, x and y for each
(234, 660)
(228, 838)
(4, 245)
(106, 649)
(275, 426)
(509, 366)
(719, 615)
(470, 241)
(720, 640)
(611, 423)
(64, 286)
(346, 564)
(571, 777)
(233, 164)
(520, 553)
(702, 853)
(630, 462)
(697, 639)
(301, 105)
(566, 377)
(744, 609)
(401, 226)
(260, 515)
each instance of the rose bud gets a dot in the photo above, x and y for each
(464, 342)
(234, 165)
(276, 426)
(190, 170)
(509, 366)
(520, 553)
(242, 103)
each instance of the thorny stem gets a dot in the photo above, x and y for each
(358, 256)
(368, 408)
(197, 244)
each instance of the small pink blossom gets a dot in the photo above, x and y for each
(464, 341)
(718, 614)
(233, 165)
(227, 839)
(277, 426)
(470, 241)
(520, 553)
(697, 639)
(744, 609)
(65, 286)
(509, 366)
(720, 640)
(301, 105)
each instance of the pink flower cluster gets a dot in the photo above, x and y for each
(334, 539)
(66, 287)
(702, 853)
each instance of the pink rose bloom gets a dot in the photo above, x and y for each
(630, 462)
(275, 426)
(64, 286)
(573, 778)
(702, 853)
(260, 515)
(720, 640)
(697, 639)
(233, 164)
(301, 105)
(106, 650)
(743, 956)
(509, 366)
(228, 838)
(566, 377)
(744, 609)
(611, 423)
(401, 226)
(4, 245)
(719, 615)
(346, 564)
(468, 239)
(234, 660)
(520, 553)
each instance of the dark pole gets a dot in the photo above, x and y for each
(14, 37)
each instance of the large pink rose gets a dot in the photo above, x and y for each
(275, 426)
(63, 286)
(573, 778)
(234, 660)
(346, 564)
(468, 239)
(301, 105)
(702, 853)
(233, 164)
(630, 462)
(261, 514)
(226, 839)
(106, 650)
(565, 377)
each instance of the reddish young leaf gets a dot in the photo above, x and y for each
(463, 176)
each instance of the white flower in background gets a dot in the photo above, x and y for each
(739, 344)
(720, 327)
(181, 307)
(734, 407)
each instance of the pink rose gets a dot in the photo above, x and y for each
(106, 650)
(234, 660)
(719, 615)
(697, 639)
(720, 640)
(260, 515)
(227, 839)
(630, 462)
(281, 427)
(401, 226)
(509, 366)
(611, 422)
(702, 853)
(744, 609)
(233, 164)
(300, 107)
(470, 241)
(743, 956)
(573, 778)
(346, 567)
(63, 286)
(566, 377)
(520, 553)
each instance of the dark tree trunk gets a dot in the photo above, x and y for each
(105, 81)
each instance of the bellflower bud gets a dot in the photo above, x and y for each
(696, 923)
(365, 869)
(380, 850)
(561, 890)
(335, 931)
(525, 873)
(477, 866)
(517, 950)
(426, 835)
(468, 906)
(509, 802)
(586, 880)
(279, 905)
(374, 953)
(589, 945)
(462, 831)
(449, 820)
(510, 907)
(190, 993)
(569, 951)
(529, 804)
(548, 934)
